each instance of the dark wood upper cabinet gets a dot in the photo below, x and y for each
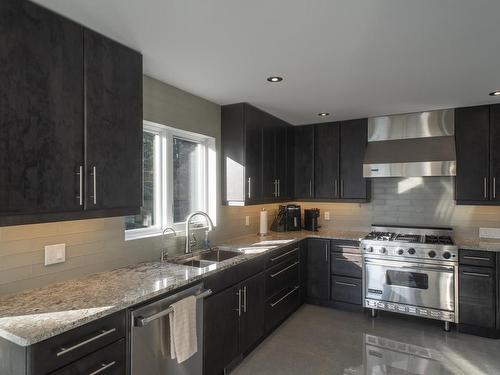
(254, 156)
(41, 111)
(70, 100)
(354, 137)
(472, 142)
(495, 152)
(113, 124)
(326, 160)
(304, 161)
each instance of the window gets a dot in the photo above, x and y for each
(179, 178)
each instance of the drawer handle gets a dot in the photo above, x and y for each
(284, 269)
(347, 260)
(285, 296)
(475, 258)
(285, 254)
(104, 367)
(64, 351)
(345, 284)
(476, 274)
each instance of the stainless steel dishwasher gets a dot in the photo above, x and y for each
(150, 337)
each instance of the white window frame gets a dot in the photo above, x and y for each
(163, 179)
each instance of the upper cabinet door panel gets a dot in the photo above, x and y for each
(472, 126)
(354, 137)
(41, 110)
(495, 152)
(281, 161)
(113, 123)
(269, 185)
(326, 161)
(254, 122)
(304, 161)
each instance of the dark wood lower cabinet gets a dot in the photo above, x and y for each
(318, 266)
(252, 314)
(221, 326)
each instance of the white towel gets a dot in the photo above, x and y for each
(183, 337)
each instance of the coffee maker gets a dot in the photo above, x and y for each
(288, 219)
(311, 219)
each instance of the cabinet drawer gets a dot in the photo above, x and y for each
(281, 306)
(283, 275)
(477, 258)
(280, 255)
(70, 346)
(346, 264)
(346, 246)
(477, 296)
(346, 289)
(109, 361)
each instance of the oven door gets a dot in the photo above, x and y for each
(417, 284)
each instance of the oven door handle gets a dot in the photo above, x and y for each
(414, 266)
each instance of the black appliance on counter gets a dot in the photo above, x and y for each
(311, 219)
(288, 219)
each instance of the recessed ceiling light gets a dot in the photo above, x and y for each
(275, 79)
(495, 93)
(323, 114)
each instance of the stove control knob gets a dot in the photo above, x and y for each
(411, 251)
(446, 255)
(370, 249)
(381, 250)
(431, 253)
(401, 251)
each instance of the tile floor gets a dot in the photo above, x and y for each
(317, 340)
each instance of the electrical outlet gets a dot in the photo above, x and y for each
(247, 221)
(327, 215)
(55, 254)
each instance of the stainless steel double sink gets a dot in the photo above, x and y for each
(209, 257)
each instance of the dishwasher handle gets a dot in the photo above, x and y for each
(141, 321)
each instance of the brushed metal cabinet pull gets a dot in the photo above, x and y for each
(283, 270)
(104, 367)
(63, 351)
(326, 252)
(494, 187)
(284, 254)
(279, 189)
(249, 187)
(485, 180)
(310, 189)
(94, 180)
(476, 274)
(245, 299)
(80, 178)
(336, 184)
(341, 188)
(344, 284)
(285, 296)
(239, 302)
(475, 258)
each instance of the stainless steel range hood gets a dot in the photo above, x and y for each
(411, 145)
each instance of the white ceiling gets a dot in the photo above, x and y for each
(352, 58)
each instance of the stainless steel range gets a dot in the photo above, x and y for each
(411, 271)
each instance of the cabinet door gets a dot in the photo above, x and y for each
(477, 296)
(326, 160)
(113, 124)
(254, 121)
(304, 161)
(495, 152)
(221, 330)
(41, 110)
(281, 161)
(353, 138)
(269, 184)
(472, 128)
(253, 309)
(318, 269)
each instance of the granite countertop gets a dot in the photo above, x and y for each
(481, 244)
(36, 315)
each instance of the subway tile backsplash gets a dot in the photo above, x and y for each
(99, 245)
